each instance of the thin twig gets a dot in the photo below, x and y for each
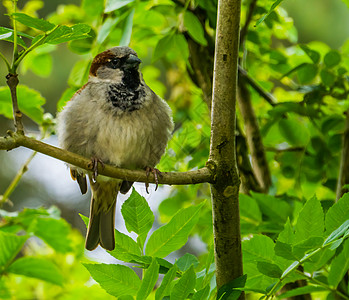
(12, 82)
(267, 96)
(15, 140)
(5, 197)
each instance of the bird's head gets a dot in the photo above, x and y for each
(116, 64)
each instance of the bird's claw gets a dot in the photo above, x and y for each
(93, 165)
(156, 174)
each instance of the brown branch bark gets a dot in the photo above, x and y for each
(172, 178)
(225, 192)
(254, 138)
(343, 178)
(12, 82)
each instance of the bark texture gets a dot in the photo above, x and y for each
(225, 190)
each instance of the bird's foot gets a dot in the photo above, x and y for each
(93, 165)
(156, 173)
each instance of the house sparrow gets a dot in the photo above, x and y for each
(115, 118)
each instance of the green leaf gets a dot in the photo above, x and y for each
(127, 30)
(307, 72)
(126, 249)
(194, 27)
(184, 286)
(93, 7)
(202, 294)
(31, 22)
(332, 58)
(276, 209)
(149, 280)
(339, 266)
(55, 232)
(301, 291)
(337, 214)
(275, 4)
(79, 74)
(65, 34)
(186, 261)
(66, 96)
(6, 34)
(327, 77)
(284, 250)
(313, 55)
(164, 288)
(269, 269)
(117, 280)
(341, 230)
(36, 267)
(301, 248)
(29, 102)
(138, 216)
(173, 235)
(229, 292)
(249, 210)
(10, 245)
(163, 46)
(294, 132)
(258, 248)
(112, 5)
(107, 27)
(310, 222)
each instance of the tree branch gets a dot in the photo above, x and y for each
(225, 192)
(15, 140)
(254, 138)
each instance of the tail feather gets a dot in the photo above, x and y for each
(106, 229)
(92, 236)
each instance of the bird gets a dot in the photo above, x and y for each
(116, 119)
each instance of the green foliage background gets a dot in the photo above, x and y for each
(294, 233)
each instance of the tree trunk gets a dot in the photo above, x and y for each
(225, 190)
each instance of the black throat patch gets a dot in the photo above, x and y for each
(129, 94)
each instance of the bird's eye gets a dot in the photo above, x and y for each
(114, 63)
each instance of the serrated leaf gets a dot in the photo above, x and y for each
(310, 222)
(126, 249)
(186, 261)
(301, 248)
(54, 232)
(194, 27)
(341, 230)
(66, 96)
(65, 34)
(10, 245)
(117, 280)
(149, 280)
(173, 235)
(274, 5)
(138, 216)
(127, 30)
(184, 286)
(313, 55)
(269, 269)
(202, 294)
(29, 102)
(249, 210)
(32, 22)
(112, 5)
(258, 248)
(164, 288)
(337, 214)
(36, 267)
(339, 266)
(6, 34)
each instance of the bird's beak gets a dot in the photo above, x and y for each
(132, 62)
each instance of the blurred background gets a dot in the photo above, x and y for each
(48, 181)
